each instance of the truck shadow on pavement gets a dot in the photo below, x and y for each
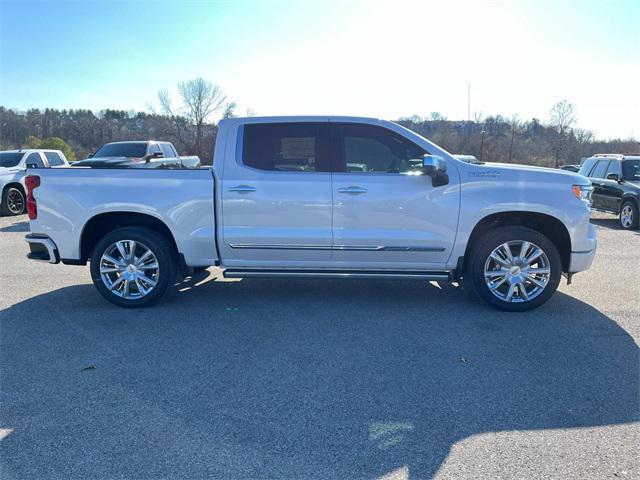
(295, 379)
(18, 226)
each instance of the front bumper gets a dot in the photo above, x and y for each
(42, 249)
(581, 261)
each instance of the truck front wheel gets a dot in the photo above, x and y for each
(515, 268)
(133, 266)
(13, 201)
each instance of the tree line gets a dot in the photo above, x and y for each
(188, 123)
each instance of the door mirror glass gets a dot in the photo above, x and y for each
(32, 165)
(613, 176)
(436, 167)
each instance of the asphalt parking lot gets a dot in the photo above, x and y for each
(318, 379)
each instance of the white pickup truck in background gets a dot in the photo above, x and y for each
(13, 169)
(318, 197)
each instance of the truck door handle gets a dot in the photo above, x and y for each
(242, 189)
(353, 190)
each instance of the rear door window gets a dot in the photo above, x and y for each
(287, 147)
(54, 159)
(614, 167)
(600, 169)
(587, 166)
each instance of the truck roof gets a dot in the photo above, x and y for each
(30, 150)
(303, 118)
(137, 141)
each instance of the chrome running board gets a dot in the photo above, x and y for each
(415, 275)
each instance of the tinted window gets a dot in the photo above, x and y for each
(127, 149)
(167, 150)
(600, 169)
(35, 158)
(287, 147)
(614, 167)
(10, 159)
(154, 148)
(54, 159)
(367, 148)
(586, 167)
(631, 169)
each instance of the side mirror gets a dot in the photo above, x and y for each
(436, 167)
(32, 165)
(613, 176)
(91, 155)
(154, 155)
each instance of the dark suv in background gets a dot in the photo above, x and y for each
(616, 185)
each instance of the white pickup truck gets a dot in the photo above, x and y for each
(324, 197)
(13, 170)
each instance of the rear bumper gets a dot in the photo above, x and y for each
(42, 249)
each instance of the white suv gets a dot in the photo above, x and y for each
(13, 167)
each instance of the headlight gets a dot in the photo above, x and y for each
(583, 192)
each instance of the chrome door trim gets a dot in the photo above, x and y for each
(353, 190)
(242, 189)
(366, 248)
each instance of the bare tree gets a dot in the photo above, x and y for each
(562, 118)
(200, 99)
(515, 125)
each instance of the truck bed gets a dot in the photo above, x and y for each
(181, 198)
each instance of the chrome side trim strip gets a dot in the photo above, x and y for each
(279, 246)
(366, 248)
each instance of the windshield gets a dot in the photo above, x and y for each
(631, 169)
(10, 159)
(132, 149)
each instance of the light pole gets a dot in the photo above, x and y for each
(481, 143)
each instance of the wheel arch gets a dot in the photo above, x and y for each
(548, 225)
(630, 197)
(17, 185)
(101, 224)
(5, 189)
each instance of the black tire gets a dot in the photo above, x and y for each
(492, 240)
(635, 217)
(158, 244)
(14, 201)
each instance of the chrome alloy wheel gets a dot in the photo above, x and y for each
(626, 216)
(129, 269)
(15, 202)
(517, 271)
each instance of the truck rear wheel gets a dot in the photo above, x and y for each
(515, 268)
(133, 266)
(629, 215)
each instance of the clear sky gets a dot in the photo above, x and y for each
(384, 59)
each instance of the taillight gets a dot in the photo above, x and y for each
(32, 182)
